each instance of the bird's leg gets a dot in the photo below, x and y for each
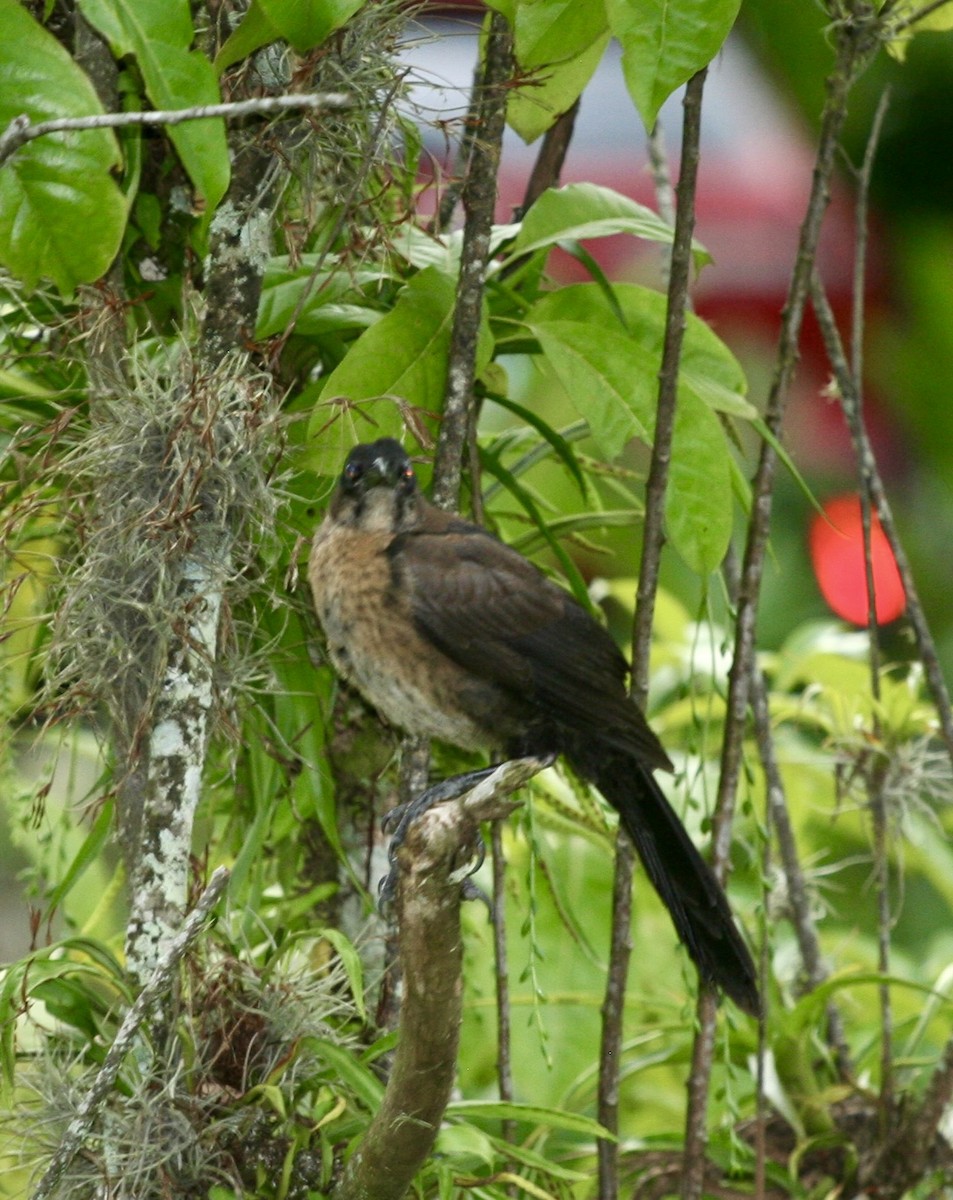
(403, 816)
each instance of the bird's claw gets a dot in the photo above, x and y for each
(403, 816)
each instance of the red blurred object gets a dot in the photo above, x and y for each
(837, 552)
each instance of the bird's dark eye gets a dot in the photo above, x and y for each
(353, 472)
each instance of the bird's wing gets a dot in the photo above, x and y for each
(490, 610)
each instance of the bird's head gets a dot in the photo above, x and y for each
(377, 489)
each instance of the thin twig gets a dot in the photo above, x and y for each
(479, 202)
(926, 11)
(661, 174)
(652, 541)
(854, 49)
(159, 983)
(778, 821)
(548, 166)
(875, 777)
(22, 130)
(504, 1063)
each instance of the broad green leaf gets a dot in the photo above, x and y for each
(587, 210)
(940, 20)
(625, 359)
(552, 90)
(610, 378)
(610, 373)
(62, 215)
(558, 45)
(252, 32)
(338, 423)
(664, 42)
(698, 500)
(315, 301)
(158, 33)
(308, 23)
(403, 356)
(553, 31)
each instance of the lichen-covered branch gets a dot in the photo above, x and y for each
(433, 861)
(479, 200)
(175, 758)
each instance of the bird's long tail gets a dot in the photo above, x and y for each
(682, 878)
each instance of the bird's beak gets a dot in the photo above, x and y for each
(380, 472)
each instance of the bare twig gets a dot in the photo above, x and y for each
(653, 540)
(925, 11)
(798, 901)
(158, 985)
(479, 201)
(549, 161)
(504, 1065)
(855, 46)
(661, 174)
(22, 130)
(439, 844)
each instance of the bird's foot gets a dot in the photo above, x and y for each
(403, 816)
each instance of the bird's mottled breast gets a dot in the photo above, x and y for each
(373, 644)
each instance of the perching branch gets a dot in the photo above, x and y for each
(22, 130)
(433, 861)
(158, 985)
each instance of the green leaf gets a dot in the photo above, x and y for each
(57, 186)
(492, 462)
(404, 357)
(158, 33)
(664, 42)
(351, 961)
(316, 300)
(552, 436)
(587, 210)
(531, 110)
(253, 31)
(85, 856)
(558, 45)
(610, 378)
(939, 20)
(610, 370)
(532, 1114)
(308, 23)
(349, 1069)
(553, 31)
(610, 373)
(698, 500)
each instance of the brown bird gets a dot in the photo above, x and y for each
(451, 634)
